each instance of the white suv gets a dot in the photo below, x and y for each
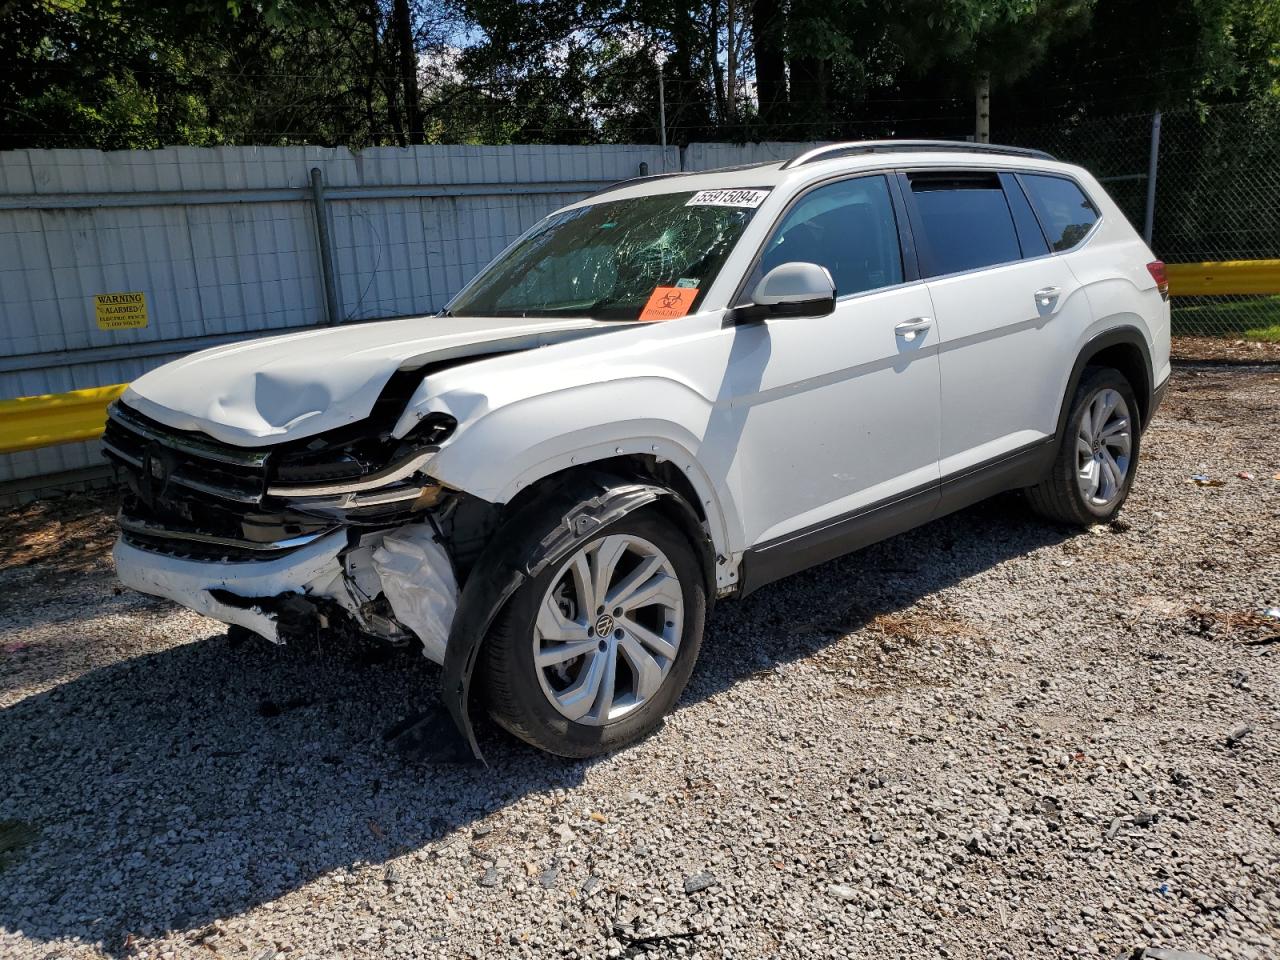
(677, 390)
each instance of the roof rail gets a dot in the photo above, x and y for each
(681, 173)
(853, 148)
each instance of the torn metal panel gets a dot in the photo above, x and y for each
(416, 575)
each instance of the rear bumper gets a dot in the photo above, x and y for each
(1157, 396)
(312, 568)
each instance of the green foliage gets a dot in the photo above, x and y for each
(145, 73)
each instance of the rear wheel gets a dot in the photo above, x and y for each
(1097, 455)
(589, 656)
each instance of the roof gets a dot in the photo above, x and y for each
(822, 161)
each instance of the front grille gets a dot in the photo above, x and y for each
(185, 494)
(185, 458)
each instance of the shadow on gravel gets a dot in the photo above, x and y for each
(176, 788)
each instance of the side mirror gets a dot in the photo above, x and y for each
(790, 290)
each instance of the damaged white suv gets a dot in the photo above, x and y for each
(676, 390)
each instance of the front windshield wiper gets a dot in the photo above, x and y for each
(602, 303)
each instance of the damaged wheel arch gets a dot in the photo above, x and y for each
(550, 522)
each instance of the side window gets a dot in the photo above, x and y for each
(965, 221)
(1064, 211)
(847, 227)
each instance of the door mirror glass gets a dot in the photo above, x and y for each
(791, 290)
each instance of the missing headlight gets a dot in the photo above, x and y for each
(329, 466)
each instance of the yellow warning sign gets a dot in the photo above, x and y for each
(120, 311)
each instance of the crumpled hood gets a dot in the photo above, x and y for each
(300, 384)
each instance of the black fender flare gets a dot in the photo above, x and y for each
(1128, 336)
(540, 533)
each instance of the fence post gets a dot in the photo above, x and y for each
(1153, 162)
(333, 312)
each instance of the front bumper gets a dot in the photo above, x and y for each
(314, 569)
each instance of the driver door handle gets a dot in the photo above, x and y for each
(908, 329)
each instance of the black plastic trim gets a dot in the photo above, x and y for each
(1157, 397)
(542, 533)
(845, 534)
(1117, 336)
(1023, 467)
(756, 312)
(833, 538)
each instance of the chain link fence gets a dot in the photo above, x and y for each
(1216, 197)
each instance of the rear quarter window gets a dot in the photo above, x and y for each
(1065, 213)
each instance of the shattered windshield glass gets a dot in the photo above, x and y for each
(646, 258)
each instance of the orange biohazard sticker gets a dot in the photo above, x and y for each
(669, 303)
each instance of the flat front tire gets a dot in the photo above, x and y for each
(591, 654)
(1097, 455)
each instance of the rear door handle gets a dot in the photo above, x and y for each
(908, 329)
(1046, 295)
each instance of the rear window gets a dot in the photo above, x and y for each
(965, 221)
(1066, 214)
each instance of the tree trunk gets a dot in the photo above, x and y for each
(771, 69)
(808, 74)
(408, 69)
(717, 78)
(982, 107)
(731, 84)
(372, 20)
(809, 86)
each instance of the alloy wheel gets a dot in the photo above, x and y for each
(608, 629)
(1104, 446)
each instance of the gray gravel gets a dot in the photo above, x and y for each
(988, 738)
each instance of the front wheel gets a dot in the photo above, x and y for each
(1097, 455)
(590, 655)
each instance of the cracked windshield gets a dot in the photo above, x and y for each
(646, 258)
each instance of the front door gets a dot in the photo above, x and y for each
(830, 417)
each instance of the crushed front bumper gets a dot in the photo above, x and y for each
(310, 569)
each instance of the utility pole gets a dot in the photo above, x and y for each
(982, 107)
(403, 24)
(1153, 165)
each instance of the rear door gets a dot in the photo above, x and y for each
(1008, 312)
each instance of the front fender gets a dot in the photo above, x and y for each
(498, 452)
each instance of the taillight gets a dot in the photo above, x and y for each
(1160, 276)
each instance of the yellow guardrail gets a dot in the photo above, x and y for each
(1227, 276)
(31, 422)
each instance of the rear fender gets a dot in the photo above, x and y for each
(1128, 337)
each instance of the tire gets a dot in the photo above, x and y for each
(557, 707)
(1063, 495)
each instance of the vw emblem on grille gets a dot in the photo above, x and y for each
(157, 467)
(604, 625)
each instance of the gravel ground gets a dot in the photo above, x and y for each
(987, 738)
